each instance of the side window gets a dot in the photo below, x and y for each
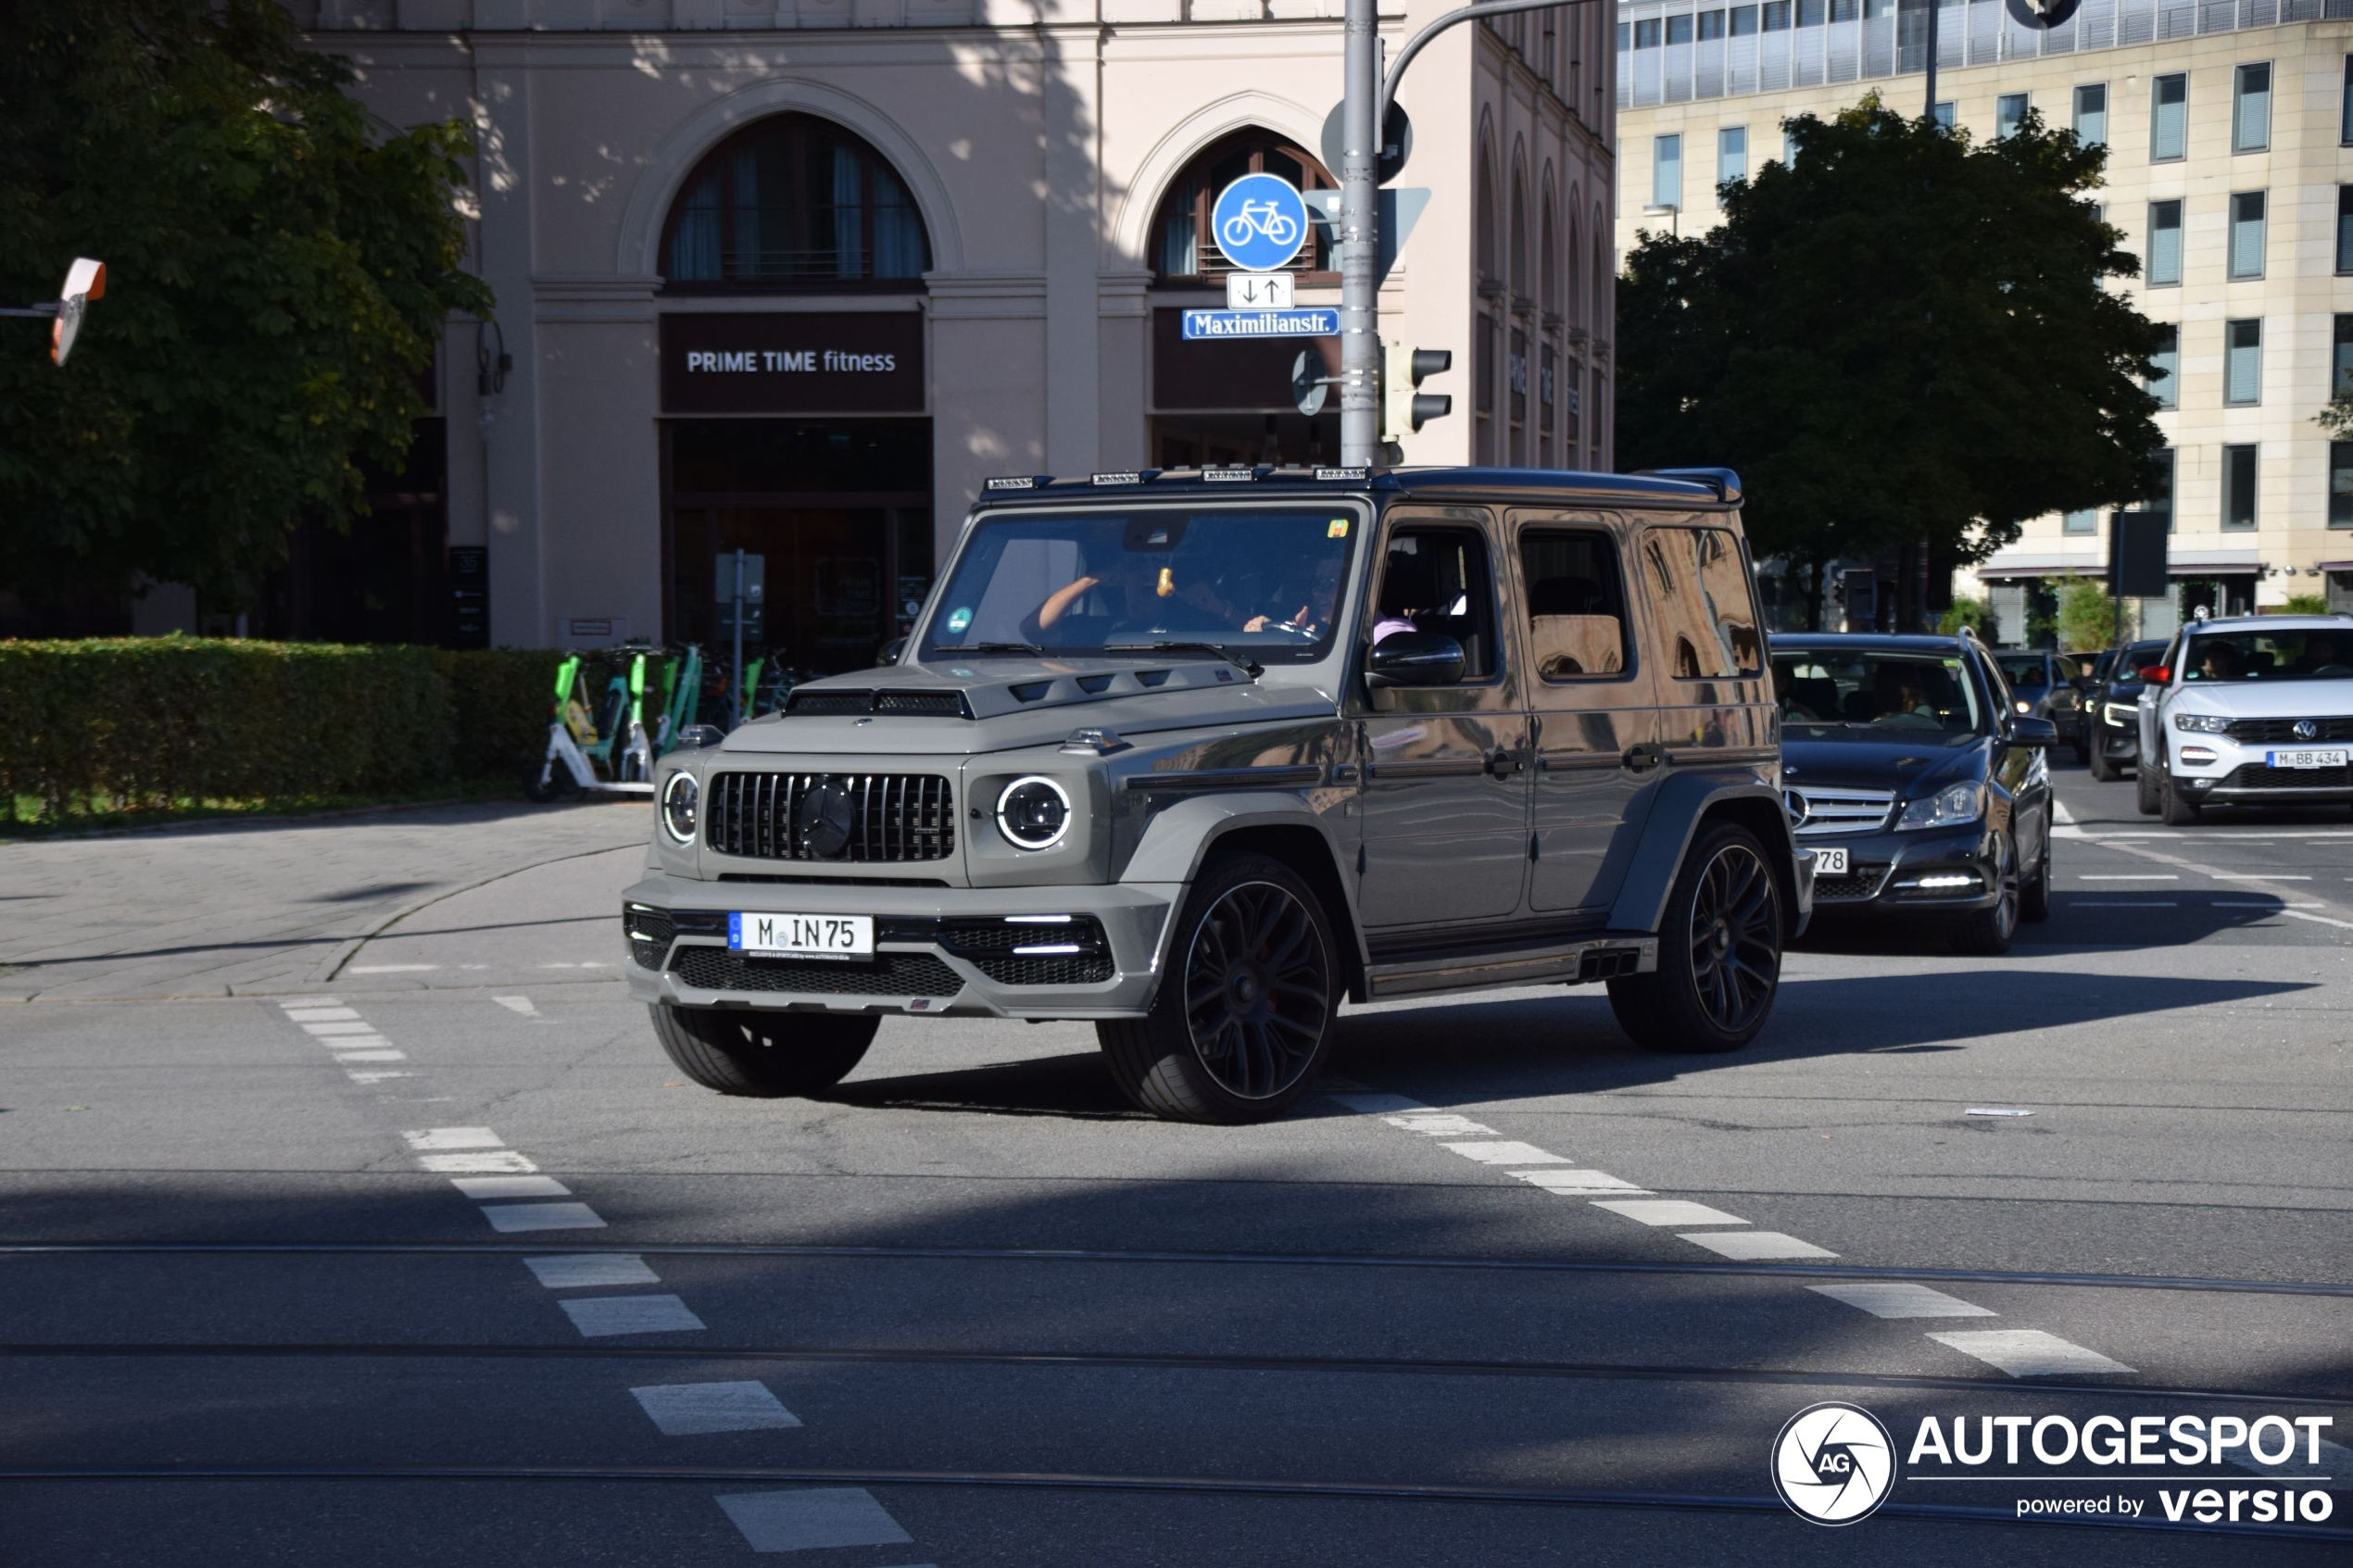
(1699, 592)
(1576, 604)
(1438, 580)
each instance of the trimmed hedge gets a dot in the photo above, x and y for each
(117, 725)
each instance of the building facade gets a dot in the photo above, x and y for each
(793, 276)
(2230, 131)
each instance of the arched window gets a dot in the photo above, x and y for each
(794, 202)
(1519, 239)
(1489, 271)
(1181, 244)
(1548, 265)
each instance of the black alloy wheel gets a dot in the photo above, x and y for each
(2035, 898)
(1244, 1018)
(1720, 952)
(1988, 933)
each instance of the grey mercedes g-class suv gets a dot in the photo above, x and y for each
(1195, 755)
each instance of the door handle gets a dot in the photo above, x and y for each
(1503, 762)
(1648, 755)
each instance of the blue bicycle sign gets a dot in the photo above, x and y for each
(1259, 223)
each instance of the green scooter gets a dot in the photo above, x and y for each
(576, 746)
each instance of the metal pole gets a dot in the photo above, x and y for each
(743, 709)
(1933, 6)
(1359, 240)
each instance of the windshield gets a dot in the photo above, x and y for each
(1264, 581)
(2323, 655)
(2026, 672)
(2126, 666)
(1865, 694)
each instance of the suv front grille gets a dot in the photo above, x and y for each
(892, 816)
(891, 974)
(1861, 882)
(2281, 731)
(2255, 775)
(1827, 809)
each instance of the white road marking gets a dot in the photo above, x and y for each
(2266, 876)
(355, 1026)
(2336, 1460)
(376, 1077)
(1669, 1211)
(598, 1315)
(292, 1002)
(572, 1271)
(2059, 813)
(809, 1517)
(1378, 1105)
(1993, 1110)
(512, 1217)
(1889, 1299)
(498, 1162)
(390, 968)
(2122, 904)
(1579, 1182)
(2180, 863)
(482, 1187)
(321, 1015)
(1442, 1124)
(356, 1042)
(2027, 1352)
(2132, 876)
(1506, 1153)
(517, 1004)
(372, 1056)
(682, 1410)
(430, 1139)
(1749, 1246)
(2277, 906)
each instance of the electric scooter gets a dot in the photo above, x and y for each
(576, 747)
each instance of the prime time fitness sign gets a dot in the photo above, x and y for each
(785, 362)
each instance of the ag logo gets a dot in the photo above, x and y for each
(1834, 1463)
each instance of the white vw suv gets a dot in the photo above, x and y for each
(2252, 710)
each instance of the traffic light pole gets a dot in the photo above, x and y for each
(1364, 111)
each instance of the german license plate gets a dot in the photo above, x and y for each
(802, 936)
(1829, 862)
(2306, 758)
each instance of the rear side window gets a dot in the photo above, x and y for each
(1437, 579)
(1698, 589)
(1576, 604)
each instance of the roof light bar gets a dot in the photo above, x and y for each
(1343, 473)
(1019, 482)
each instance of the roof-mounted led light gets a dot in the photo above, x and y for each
(1019, 482)
(1343, 473)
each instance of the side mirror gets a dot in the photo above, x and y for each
(891, 650)
(1414, 658)
(694, 737)
(2155, 674)
(2032, 731)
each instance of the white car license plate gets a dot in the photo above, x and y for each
(802, 936)
(2306, 758)
(1829, 862)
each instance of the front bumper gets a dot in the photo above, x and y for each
(2117, 743)
(2239, 774)
(1885, 871)
(938, 950)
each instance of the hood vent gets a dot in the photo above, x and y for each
(833, 702)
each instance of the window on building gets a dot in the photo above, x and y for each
(1945, 114)
(1844, 10)
(1744, 20)
(2170, 119)
(1183, 247)
(1625, 36)
(2247, 234)
(2341, 357)
(1776, 14)
(2164, 382)
(2238, 487)
(2242, 363)
(1732, 155)
(1809, 13)
(2251, 109)
(1711, 26)
(2341, 485)
(2091, 113)
(2345, 110)
(1666, 171)
(2085, 521)
(1789, 148)
(794, 202)
(1646, 33)
(2344, 228)
(1678, 29)
(2010, 113)
(2160, 497)
(2165, 245)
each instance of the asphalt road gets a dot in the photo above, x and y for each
(351, 1214)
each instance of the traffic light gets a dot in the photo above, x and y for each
(1404, 410)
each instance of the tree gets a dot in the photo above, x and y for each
(1901, 341)
(2086, 613)
(278, 271)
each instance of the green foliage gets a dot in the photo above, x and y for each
(2086, 613)
(114, 725)
(277, 272)
(1975, 614)
(2305, 604)
(2336, 415)
(1903, 337)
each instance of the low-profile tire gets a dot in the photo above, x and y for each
(2034, 898)
(2177, 810)
(1245, 1013)
(1988, 933)
(1720, 952)
(2145, 786)
(2096, 762)
(762, 1054)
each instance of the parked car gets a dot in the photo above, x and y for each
(1192, 756)
(1922, 790)
(2255, 710)
(2042, 685)
(2111, 707)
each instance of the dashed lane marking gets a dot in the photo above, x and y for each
(290, 1003)
(375, 1077)
(512, 1217)
(2122, 904)
(356, 1043)
(327, 1031)
(1506, 1153)
(482, 1187)
(576, 1271)
(431, 1140)
(1748, 1246)
(517, 1004)
(321, 1015)
(1442, 1124)
(597, 1316)
(1668, 1212)
(811, 1517)
(391, 968)
(2132, 876)
(372, 1056)
(686, 1409)
(2027, 1352)
(489, 1163)
(1582, 1183)
(1893, 1298)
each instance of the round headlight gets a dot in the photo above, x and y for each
(679, 798)
(1034, 813)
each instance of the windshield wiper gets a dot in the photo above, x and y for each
(996, 647)
(1252, 669)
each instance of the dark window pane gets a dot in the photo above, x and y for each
(1745, 23)
(2165, 381)
(2238, 487)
